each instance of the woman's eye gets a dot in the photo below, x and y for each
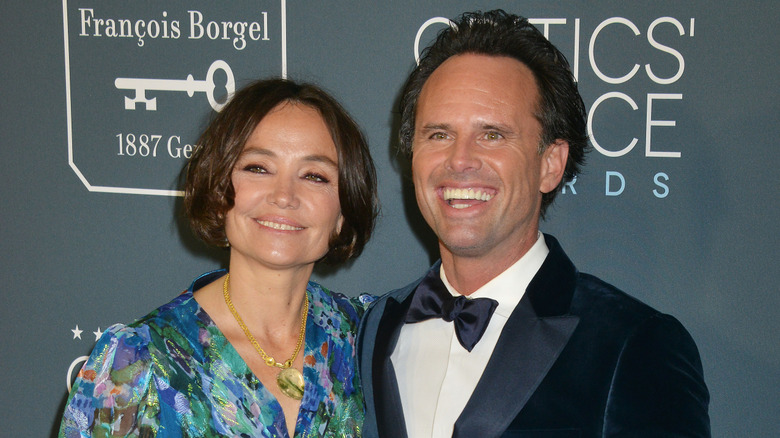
(316, 177)
(255, 168)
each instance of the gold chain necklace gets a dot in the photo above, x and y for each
(289, 379)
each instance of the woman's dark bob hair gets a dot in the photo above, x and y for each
(209, 192)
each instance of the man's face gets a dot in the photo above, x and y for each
(478, 175)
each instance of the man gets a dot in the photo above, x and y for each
(495, 125)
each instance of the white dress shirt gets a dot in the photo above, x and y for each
(436, 375)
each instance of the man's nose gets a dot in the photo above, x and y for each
(463, 156)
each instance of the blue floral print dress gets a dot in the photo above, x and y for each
(174, 374)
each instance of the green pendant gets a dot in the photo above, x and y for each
(290, 382)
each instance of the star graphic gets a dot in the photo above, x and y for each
(77, 332)
(97, 334)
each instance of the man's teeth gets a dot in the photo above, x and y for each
(465, 194)
(278, 226)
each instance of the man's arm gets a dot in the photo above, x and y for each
(658, 388)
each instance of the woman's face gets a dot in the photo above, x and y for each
(286, 191)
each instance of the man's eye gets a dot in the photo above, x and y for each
(493, 136)
(439, 136)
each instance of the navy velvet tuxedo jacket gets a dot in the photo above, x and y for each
(577, 358)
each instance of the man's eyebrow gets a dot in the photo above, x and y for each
(436, 126)
(482, 126)
(495, 127)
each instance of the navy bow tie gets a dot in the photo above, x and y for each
(471, 316)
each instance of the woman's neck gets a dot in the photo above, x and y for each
(268, 299)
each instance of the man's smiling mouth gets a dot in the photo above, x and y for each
(465, 197)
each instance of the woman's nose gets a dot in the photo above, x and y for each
(283, 194)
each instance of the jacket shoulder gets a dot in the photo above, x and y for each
(375, 309)
(593, 294)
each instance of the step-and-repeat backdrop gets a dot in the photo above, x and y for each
(102, 102)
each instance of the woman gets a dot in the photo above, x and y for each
(283, 177)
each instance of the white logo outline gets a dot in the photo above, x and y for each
(69, 121)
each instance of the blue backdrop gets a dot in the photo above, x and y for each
(102, 100)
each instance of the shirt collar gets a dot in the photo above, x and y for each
(509, 286)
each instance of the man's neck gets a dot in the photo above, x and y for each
(467, 274)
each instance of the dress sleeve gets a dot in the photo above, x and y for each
(113, 395)
(361, 302)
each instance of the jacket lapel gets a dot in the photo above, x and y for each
(380, 386)
(387, 399)
(531, 341)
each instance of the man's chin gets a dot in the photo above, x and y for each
(471, 247)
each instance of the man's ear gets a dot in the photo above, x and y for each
(553, 165)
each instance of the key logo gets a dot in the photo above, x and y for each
(189, 85)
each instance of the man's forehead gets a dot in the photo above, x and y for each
(479, 83)
(480, 62)
(472, 70)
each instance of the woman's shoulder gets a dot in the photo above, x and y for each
(130, 364)
(182, 315)
(122, 355)
(126, 355)
(119, 347)
(174, 313)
